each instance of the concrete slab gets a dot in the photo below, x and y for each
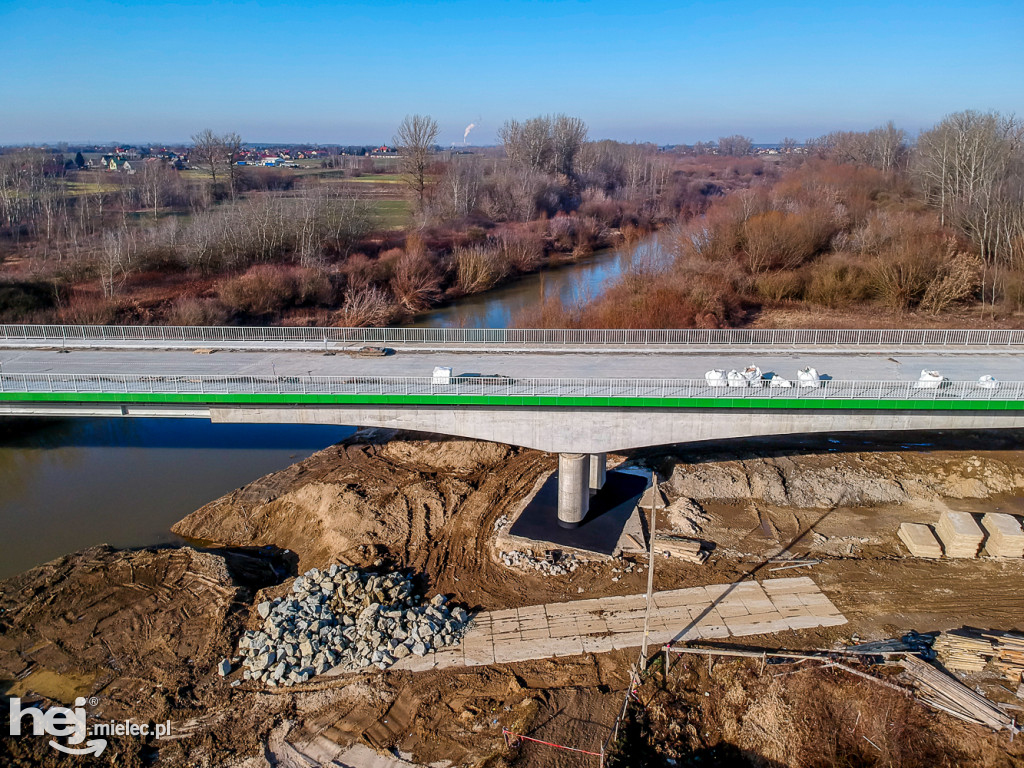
(731, 608)
(601, 644)
(789, 584)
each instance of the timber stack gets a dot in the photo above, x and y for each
(963, 650)
(690, 550)
(944, 692)
(1008, 650)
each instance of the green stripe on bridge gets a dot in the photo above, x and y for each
(749, 403)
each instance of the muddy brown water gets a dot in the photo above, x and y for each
(68, 484)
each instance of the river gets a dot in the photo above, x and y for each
(66, 484)
(572, 282)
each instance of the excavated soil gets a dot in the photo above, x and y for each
(143, 630)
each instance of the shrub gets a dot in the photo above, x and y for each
(416, 282)
(313, 288)
(780, 240)
(263, 290)
(478, 268)
(90, 309)
(958, 281)
(1013, 292)
(191, 310)
(369, 306)
(776, 287)
(836, 282)
(899, 280)
(522, 250)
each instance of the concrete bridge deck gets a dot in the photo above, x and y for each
(854, 365)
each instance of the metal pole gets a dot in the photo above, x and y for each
(650, 568)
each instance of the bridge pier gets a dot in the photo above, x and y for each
(573, 488)
(598, 471)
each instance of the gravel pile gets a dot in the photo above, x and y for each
(516, 559)
(345, 617)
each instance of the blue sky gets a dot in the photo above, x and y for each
(348, 72)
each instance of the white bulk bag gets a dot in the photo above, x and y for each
(930, 380)
(737, 379)
(715, 378)
(753, 374)
(808, 377)
(779, 381)
(442, 375)
(988, 382)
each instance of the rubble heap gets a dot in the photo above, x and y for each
(557, 566)
(345, 617)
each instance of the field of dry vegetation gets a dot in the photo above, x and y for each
(859, 226)
(863, 227)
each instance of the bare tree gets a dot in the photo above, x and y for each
(735, 145)
(231, 146)
(115, 260)
(547, 143)
(970, 166)
(415, 140)
(207, 152)
(568, 135)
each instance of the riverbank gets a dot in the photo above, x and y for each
(436, 507)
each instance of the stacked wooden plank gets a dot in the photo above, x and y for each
(963, 650)
(959, 533)
(920, 540)
(1005, 536)
(690, 550)
(944, 692)
(1009, 654)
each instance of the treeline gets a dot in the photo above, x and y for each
(223, 243)
(864, 223)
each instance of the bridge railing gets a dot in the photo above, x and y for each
(472, 386)
(511, 337)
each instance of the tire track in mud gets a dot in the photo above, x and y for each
(459, 559)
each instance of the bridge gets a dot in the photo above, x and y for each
(577, 393)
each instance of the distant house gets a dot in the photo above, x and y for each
(120, 164)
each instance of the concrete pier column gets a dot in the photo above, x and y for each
(598, 471)
(573, 488)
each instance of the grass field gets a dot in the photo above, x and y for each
(392, 214)
(89, 187)
(377, 178)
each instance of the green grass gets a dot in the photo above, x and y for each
(377, 178)
(392, 214)
(89, 187)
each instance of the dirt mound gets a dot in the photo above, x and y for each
(427, 504)
(142, 631)
(845, 479)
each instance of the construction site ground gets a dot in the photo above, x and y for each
(143, 630)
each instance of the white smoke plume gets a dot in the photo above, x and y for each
(469, 128)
